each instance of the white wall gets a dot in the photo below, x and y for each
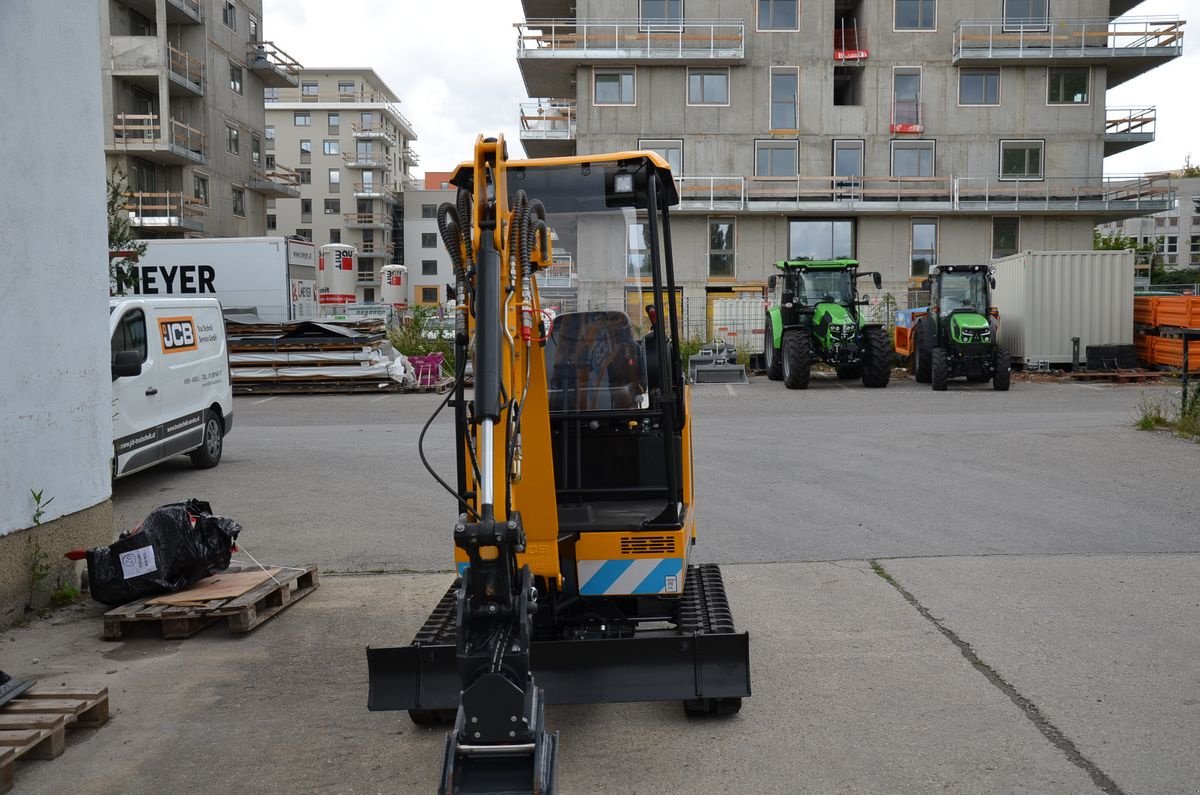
(55, 390)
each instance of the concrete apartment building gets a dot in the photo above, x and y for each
(183, 85)
(429, 268)
(1175, 232)
(342, 132)
(904, 133)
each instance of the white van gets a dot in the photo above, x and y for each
(171, 388)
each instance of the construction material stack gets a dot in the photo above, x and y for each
(1161, 323)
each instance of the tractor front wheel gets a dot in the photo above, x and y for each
(797, 358)
(939, 367)
(921, 363)
(1001, 369)
(771, 356)
(877, 358)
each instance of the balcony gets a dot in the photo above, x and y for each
(372, 132)
(1125, 128)
(186, 72)
(541, 9)
(274, 67)
(850, 45)
(375, 190)
(181, 12)
(279, 183)
(559, 276)
(381, 101)
(367, 278)
(1128, 47)
(367, 220)
(549, 50)
(410, 156)
(376, 250)
(548, 127)
(140, 61)
(164, 211)
(907, 116)
(1118, 196)
(142, 134)
(376, 160)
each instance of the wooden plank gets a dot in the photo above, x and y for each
(261, 592)
(8, 759)
(35, 743)
(46, 706)
(226, 585)
(35, 721)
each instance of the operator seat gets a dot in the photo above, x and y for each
(593, 362)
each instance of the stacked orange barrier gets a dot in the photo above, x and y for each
(1158, 315)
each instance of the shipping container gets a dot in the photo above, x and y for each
(1047, 297)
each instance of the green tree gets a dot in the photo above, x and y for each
(124, 248)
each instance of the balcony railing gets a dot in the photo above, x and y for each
(164, 210)
(374, 131)
(358, 97)
(1066, 38)
(373, 249)
(374, 190)
(273, 65)
(548, 119)
(367, 278)
(410, 156)
(367, 220)
(560, 275)
(189, 9)
(631, 38)
(1138, 193)
(907, 116)
(280, 182)
(850, 44)
(142, 130)
(1130, 121)
(367, 160)
(187, 70)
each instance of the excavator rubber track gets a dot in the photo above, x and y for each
(703, 661)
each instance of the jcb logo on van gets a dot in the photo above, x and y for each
(177, 334)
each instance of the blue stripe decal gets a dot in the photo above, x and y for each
(656, 580)
(604, 577)
(462, 567)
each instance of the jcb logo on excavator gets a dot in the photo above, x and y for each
(177, 334)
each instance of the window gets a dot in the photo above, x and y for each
(335, 236)
(346, 87)
(662, 11)
(231, 140)
(1021, 159)
(269, 134)
(255, 149)
(335, 179)
(253, 20)
(428, 240)
(708, 87)
(305, 150)
(671, 151)
(915, 15)
(369, 292)
(778, 15)
(229, 15)
(637, 251)
(906, 100)
(235, 78)
(270, 161)
(979, 87)
(309, 91)
(821, 239)
(200, 188)
(1027, 14)
(429, 295)
(1006, 236)
(429, 211)
(304, 176)
(270, 94)
(271, 223)
(239, 201)
(1195, 245)
(924, 245)
(301, 119)
(304, 233)
(1169, 244)
(615, 87)
(785, 111)
(848, 164)
(333, 206)
(847, 85)
(775, 158)
(335, 122)
(912, 158)
(721, 233)
(130, 334)
(331, 146)
(306, 209)
(1067, 85)
(429, 267)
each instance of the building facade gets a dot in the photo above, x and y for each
(429, 267)
(905, 133)
(183, 85)
(1175, 233)
(351, 148)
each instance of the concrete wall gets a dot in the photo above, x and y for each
(415, 253)
(55, 396)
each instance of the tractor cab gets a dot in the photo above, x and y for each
(960, 296)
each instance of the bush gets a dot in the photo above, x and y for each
(412, 338)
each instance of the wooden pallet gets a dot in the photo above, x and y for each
(242, 613)
(1119, 376)
(34, 725)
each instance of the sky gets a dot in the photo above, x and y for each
(453, 65)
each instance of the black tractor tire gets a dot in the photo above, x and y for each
(432, 717)
(922, 366)
(208, 454)
(797, 358)
(849, 372)
(1002, 369)
(877, 358)
(772, 359)
(939, 367)
(702, 707)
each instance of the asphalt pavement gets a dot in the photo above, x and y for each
(968, 592)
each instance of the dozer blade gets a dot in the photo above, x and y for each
(719, 374)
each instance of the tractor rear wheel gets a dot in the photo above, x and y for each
(877, 357)
(771, 357)
(848, 372)
(797, 358)
(1001, 369)
(921, 363)
(939, 367)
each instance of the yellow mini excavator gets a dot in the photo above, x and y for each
(576, 511)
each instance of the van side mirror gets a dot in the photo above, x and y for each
(992, 282)
(126, 364)
(878, 280)
(771, 280)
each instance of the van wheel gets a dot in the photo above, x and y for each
(208, 454)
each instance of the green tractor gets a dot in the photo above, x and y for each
(813, 316)
(957, 337)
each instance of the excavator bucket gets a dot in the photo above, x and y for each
(716, 364)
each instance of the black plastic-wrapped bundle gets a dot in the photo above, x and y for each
(173, 547)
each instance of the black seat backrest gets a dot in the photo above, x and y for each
(593, 362)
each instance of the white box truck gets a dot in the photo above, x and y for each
(272, 277)
(172, 393)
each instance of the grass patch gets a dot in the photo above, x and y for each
(1157, 413)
